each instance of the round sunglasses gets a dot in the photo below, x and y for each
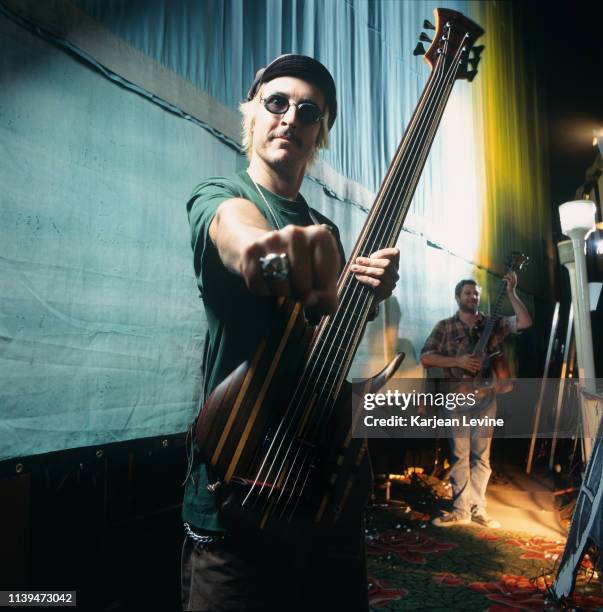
(307, 112)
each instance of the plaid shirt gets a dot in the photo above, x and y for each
(451, 337)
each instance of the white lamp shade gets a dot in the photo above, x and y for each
(577, 215)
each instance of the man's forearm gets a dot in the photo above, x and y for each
(524, 320)
(243, 237)
(237, 223)
(435, 360)
(468, 362)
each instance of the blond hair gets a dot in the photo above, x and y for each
(248, 110)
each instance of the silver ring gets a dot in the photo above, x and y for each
(275, 266)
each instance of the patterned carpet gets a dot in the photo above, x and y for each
(415, 566)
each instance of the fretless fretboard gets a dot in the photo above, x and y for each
(339, 335)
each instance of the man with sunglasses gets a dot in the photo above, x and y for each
(255, 237)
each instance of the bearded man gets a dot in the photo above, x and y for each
(449, 347)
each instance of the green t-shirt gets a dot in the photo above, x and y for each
(236, 319)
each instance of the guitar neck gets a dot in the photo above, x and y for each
(482, 343)
(514, 263)
(390, 208)
(339, 335)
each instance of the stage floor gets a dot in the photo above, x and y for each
(524, 503)
(416, 566)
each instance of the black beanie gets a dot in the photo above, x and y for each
(303, 67)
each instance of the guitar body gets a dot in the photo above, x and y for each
(502, 375)
(494, 370)
(493, 378)
(250, 415)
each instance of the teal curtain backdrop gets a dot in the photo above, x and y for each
(110, 113)
(219, 44)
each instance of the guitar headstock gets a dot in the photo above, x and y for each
(515, 261)
(452, 43)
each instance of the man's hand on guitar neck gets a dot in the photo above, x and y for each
(379, 272)
(511, 279)
(524, 320)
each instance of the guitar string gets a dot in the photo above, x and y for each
(401, 184)
(397, 163)
(344, 292)
(392, 202)
(374, 238)
(392, 199)
(308, 457)
(492, 318)
(490, 323)
(388, 201)
(304, 460)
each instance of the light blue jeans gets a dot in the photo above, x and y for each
(470, 459)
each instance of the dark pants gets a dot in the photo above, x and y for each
(316, 574)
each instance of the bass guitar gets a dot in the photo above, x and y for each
(277, 430)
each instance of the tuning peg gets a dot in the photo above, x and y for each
(427, 25)
(419, 50)
(477, 51)
(424, 37)
(474, 61)
(471, 74)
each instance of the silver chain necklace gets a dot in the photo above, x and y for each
(276, 223)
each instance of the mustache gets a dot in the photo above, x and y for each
(285, 134)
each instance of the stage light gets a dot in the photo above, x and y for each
(578, 218)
